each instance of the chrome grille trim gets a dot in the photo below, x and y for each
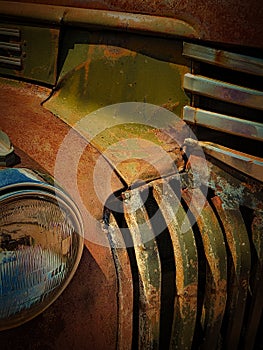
(225, 123)
(221, 58)
(11, 32)
(15, 47)
(11, 61)
(10, 48)
(220, 90)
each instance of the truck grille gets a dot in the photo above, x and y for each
(226, 90)
(198, 289)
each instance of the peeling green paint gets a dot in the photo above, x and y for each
(101, 74)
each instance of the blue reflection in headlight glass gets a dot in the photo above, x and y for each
(39, 248)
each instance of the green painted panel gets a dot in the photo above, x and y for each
(39, 52)
(98, 75)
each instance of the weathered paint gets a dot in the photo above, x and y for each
(231, 186)
(216, 273)
(244, 163)
(232, 22)
(239, 266)
(125, 285)
(77, 319)
(121, 75)
(185, 255)
(39, 53)
(114, 20)
(149, 269)
(111, 74)
(256, 307)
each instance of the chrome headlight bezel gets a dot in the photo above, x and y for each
(20, 188)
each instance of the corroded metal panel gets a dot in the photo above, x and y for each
(256, 307)
(125, 285)
(115, 20)
(245, 163)
(77, 319)
(129, 136)
(216, 271)
(235, 22)
(149, 268)
(185, 255)
(239, 270)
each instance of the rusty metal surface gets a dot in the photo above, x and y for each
(128, 136)
(149, 269)
(98, 18)
(256, 285)
(78, 319)
(239, 270)
(232, 22)
(247, 164)
(125, 285)
(216, 272)
(235, 22)
(185, 255)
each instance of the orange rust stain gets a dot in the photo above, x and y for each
(114, 53)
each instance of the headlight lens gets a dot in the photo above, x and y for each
(41, 243)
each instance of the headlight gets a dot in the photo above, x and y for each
(41, 243)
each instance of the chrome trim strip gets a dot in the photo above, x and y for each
(219, 90)
(225, 123)
(230, 60)
(247, 164)
(10, 32)
(12, 61)
(16, 47)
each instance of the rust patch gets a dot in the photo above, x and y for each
(114, 52)
(37, 135)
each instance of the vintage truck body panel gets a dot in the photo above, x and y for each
(97, 94)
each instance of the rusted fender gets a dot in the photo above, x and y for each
(73, 320)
